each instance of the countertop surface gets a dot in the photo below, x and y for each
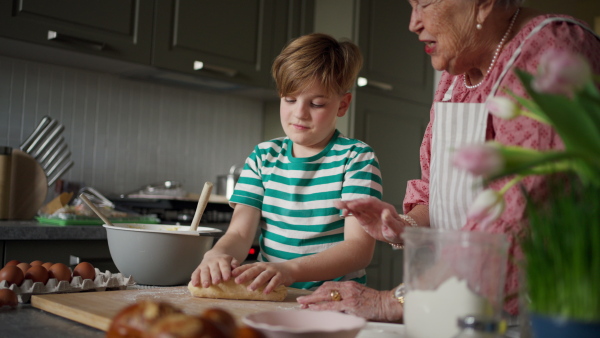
(32, 230)
(26, 321)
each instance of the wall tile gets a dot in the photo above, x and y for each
(123, 133)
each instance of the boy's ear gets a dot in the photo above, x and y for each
(344, 104)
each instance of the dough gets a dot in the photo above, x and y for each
(231, 290)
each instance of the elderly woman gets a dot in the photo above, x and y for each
(477, 43)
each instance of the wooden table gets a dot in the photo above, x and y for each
(97, 309)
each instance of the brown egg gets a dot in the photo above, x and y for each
(47, 265)
(24, 267)
(60, 272)
(34, 263)
(13, 262)
(12, 274)
(8, 297)
(37, 273)
(85, 270)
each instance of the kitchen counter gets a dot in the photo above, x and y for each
(28, 322)
(29, 240)
(32, 230)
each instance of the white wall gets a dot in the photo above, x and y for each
(125, 134)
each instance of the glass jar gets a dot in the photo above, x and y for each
(450, 274)
(479, 327)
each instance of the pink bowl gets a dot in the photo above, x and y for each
(305, 323)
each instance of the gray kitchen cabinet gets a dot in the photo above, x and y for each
(385, 270)
(392, 119)
(119, 29)
(234, 40)
(395, 62)
(392, 111)
(394, 128)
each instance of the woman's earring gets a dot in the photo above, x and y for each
(478, 26)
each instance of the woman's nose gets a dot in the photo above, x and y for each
(415, 25)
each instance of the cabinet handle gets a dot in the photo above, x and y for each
(363, 81)
(52, 35)
(199, 65)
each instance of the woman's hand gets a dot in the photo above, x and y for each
(215, 268)
(270, 274)
(378, 218)
(357, 299)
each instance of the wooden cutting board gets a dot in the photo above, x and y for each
(97, 309)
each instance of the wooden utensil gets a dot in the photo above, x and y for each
(94, 209)
(202, 201)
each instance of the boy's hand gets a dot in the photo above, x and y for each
(214, 269)
(269, 274)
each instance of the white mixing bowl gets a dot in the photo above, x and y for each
(156, 254)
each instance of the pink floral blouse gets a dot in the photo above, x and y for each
(520, 131)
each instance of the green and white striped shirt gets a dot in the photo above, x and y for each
(296, 196)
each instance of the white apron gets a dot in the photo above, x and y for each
(452, 190)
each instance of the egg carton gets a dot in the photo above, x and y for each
(103, 281)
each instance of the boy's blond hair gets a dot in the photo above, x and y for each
(317, 57)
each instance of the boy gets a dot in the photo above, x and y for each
(291, 183)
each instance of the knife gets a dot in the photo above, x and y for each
(45, 120)
(40, 136)
(60, 173)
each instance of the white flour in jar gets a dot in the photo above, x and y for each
(435, 313)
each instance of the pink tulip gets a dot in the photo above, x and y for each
(503, 107)
(486, 207)
(561, 72)
(483, 159)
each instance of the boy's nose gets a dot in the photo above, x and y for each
(301, 111)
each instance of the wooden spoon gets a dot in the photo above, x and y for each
(95, 209)
(202, 202)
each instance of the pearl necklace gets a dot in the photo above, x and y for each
(496, 53)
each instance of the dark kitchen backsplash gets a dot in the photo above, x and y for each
(124, 133)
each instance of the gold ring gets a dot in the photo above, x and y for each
(335, 295)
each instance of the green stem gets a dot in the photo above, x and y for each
(510, 184)
(535, 117)
(550, 168)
